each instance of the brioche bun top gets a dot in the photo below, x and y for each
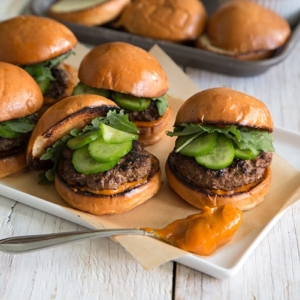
(65, 115)
(89, 13)
(171, 20)
(29, 39)
(124, 68)
(245, 26)
(20, 95)
(224, 106)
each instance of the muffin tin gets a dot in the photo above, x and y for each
(184, 55)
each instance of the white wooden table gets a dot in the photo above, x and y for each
(101, 269)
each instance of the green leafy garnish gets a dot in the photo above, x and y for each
(116, 120)
(243, 137)
(161, 104)
(14, 128)
(41, 72)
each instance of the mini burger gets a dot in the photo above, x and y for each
(244, 30)
(40, 45)
(134, 80)
(223, 150)
(170, 20)
(88, 146)
(89, 13)
(21, 98)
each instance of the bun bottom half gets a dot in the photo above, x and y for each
(152, 132)
(109, 204)
(200, 197)
(12, 164)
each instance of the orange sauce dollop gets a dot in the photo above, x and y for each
(205, 232)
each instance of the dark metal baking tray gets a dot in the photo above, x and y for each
(182, 54)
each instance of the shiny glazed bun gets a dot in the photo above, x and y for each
(77, 112)
(93, 13)
(57, 121)
(244, 180)
(225, 106)
(170, 20)
(128, 69)
(244, 30)
(28, 40)
(20, 98)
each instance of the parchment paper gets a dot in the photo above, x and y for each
(166, 206)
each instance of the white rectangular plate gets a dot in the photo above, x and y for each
(227, 262)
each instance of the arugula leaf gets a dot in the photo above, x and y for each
(161, 104)
(244, 138)
(41, 72)
(14, 128)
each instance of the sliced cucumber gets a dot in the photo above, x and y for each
(105, 152)
(83, 139)
(245, 154)
(116, 136)
(82, 88)
(130, 102)
(220, 157)
(85, 164)
(201, 145)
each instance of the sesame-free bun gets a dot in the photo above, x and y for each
(19, 93)
(89, 13)
(245, 30)
(225, 106)
(58, 120)
(20, 97)
(123, 68)
(170, 20)
(29, 39)
(201, 197)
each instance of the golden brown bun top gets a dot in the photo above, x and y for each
(65, 115)
(171, 20)
(89, 13)
(124, 68)
(20, 95)
(28, 40)
(245, 26)
(225, 106)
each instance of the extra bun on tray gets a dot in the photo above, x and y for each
(21, 98)
(97, 166)
(90, 13)
(170, 20)
(40, 45)
(132, 78)
(244, 30)
(223, 150)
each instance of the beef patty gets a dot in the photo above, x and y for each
(238, 174)
(149, 114)
(136, 165)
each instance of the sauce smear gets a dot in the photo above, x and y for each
(202, 233)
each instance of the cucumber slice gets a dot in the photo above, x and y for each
(81, 88)
(105, 152)
(245, 154)
(85, 164)
(220, 157)
(115, 136)
(83, 139)
(130, 102)
(201, 145)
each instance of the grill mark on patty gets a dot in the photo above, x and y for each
(134, 166)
